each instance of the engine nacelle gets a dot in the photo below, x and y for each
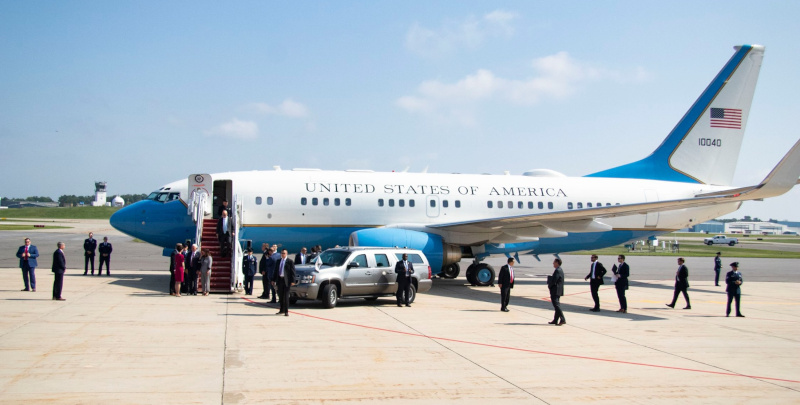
(438, 253)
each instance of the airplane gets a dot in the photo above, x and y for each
(450, 217)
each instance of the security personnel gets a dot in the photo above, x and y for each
(105, 256)
(249, 267)
(734, 280)
(404, 269)
(89, 248)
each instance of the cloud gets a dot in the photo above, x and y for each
(235, 128)
(555, 77)
(288, 108)
(468, 33)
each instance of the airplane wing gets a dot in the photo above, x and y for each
(780, 180)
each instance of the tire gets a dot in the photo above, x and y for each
(413, 296)
(451, 270)
(471, 274)
(709, 243)
(732, 243)
(484, 275)
(330, 296)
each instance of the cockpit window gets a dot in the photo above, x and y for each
(163, 197)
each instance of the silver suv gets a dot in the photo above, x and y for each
(357, 271)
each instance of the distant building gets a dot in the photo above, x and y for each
(791, 226)
(117, 202)
(99, 194)
(709, 227)
(756, 228)
(32, 204)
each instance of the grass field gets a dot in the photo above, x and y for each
(60, 212)
(29, 227)
(696, 248)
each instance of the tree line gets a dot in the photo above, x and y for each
(69, 200)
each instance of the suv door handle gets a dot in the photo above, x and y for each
(367, 273)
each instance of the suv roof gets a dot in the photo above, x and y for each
(359, 248)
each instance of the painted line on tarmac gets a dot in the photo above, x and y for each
(572, 356)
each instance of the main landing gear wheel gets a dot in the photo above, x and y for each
(484, 275)
(451, 270)
(471, 274)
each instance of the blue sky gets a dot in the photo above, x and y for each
(139, 94)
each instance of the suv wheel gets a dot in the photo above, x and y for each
(330, 296)
(732, 243)
(412, 293)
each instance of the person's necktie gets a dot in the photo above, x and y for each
(281, 274)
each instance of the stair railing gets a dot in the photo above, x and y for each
(237, 276)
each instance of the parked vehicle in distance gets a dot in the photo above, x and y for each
(793, 233)
(721, 240)
(358, 271)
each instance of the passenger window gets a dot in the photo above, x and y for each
(412, 257)
(315, 201)
(489, 204)
(391, 202)
(410, 203)
(336, 202)
(303, 201)
(530, 205)
(381, 259)
(541, 205)
(380, 202)
(608, 204)
(269, 200)
(444, 203)
(580, 205)
(511, 204)
(458, 203)
(347, 202)
(519, 204)
(401, 202)
(550, 205)
(433, 203)
(360, 259)
(499, 204)
(599, 205)
(258, 200)
(569, 205)
(588, 205)
(326, 202)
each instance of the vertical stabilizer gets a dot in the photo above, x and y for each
(704, 146)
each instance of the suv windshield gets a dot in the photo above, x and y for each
(333, 258)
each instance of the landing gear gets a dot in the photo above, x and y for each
(451, 270)
(480, 274)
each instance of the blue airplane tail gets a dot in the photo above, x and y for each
(704, 146)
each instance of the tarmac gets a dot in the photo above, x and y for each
(123, 339)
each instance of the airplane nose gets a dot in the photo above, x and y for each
(125, 220)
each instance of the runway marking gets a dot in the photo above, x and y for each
(572, 356)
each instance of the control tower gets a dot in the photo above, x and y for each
(99, 194)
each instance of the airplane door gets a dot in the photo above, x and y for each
(432, 206)
(651, 219)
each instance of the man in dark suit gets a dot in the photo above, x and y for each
(59, 267)
(272, 257)
(595, 277)
(178, 249)
(262, 269)
(555, 284)
(621, 284)
(105, 256)
(223, 207)
(302, 257)
(733, 281)
(192, 266)
(249, 268)
(284, 280)
(681, 284)
(27, 255)
(717, 268)
(505, 280)
(89, 247)
(404, 269)
(224, 233)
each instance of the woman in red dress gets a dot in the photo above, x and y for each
(178, 273)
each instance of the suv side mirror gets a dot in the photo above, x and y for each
(353, 264)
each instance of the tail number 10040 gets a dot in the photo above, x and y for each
(710, 142)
